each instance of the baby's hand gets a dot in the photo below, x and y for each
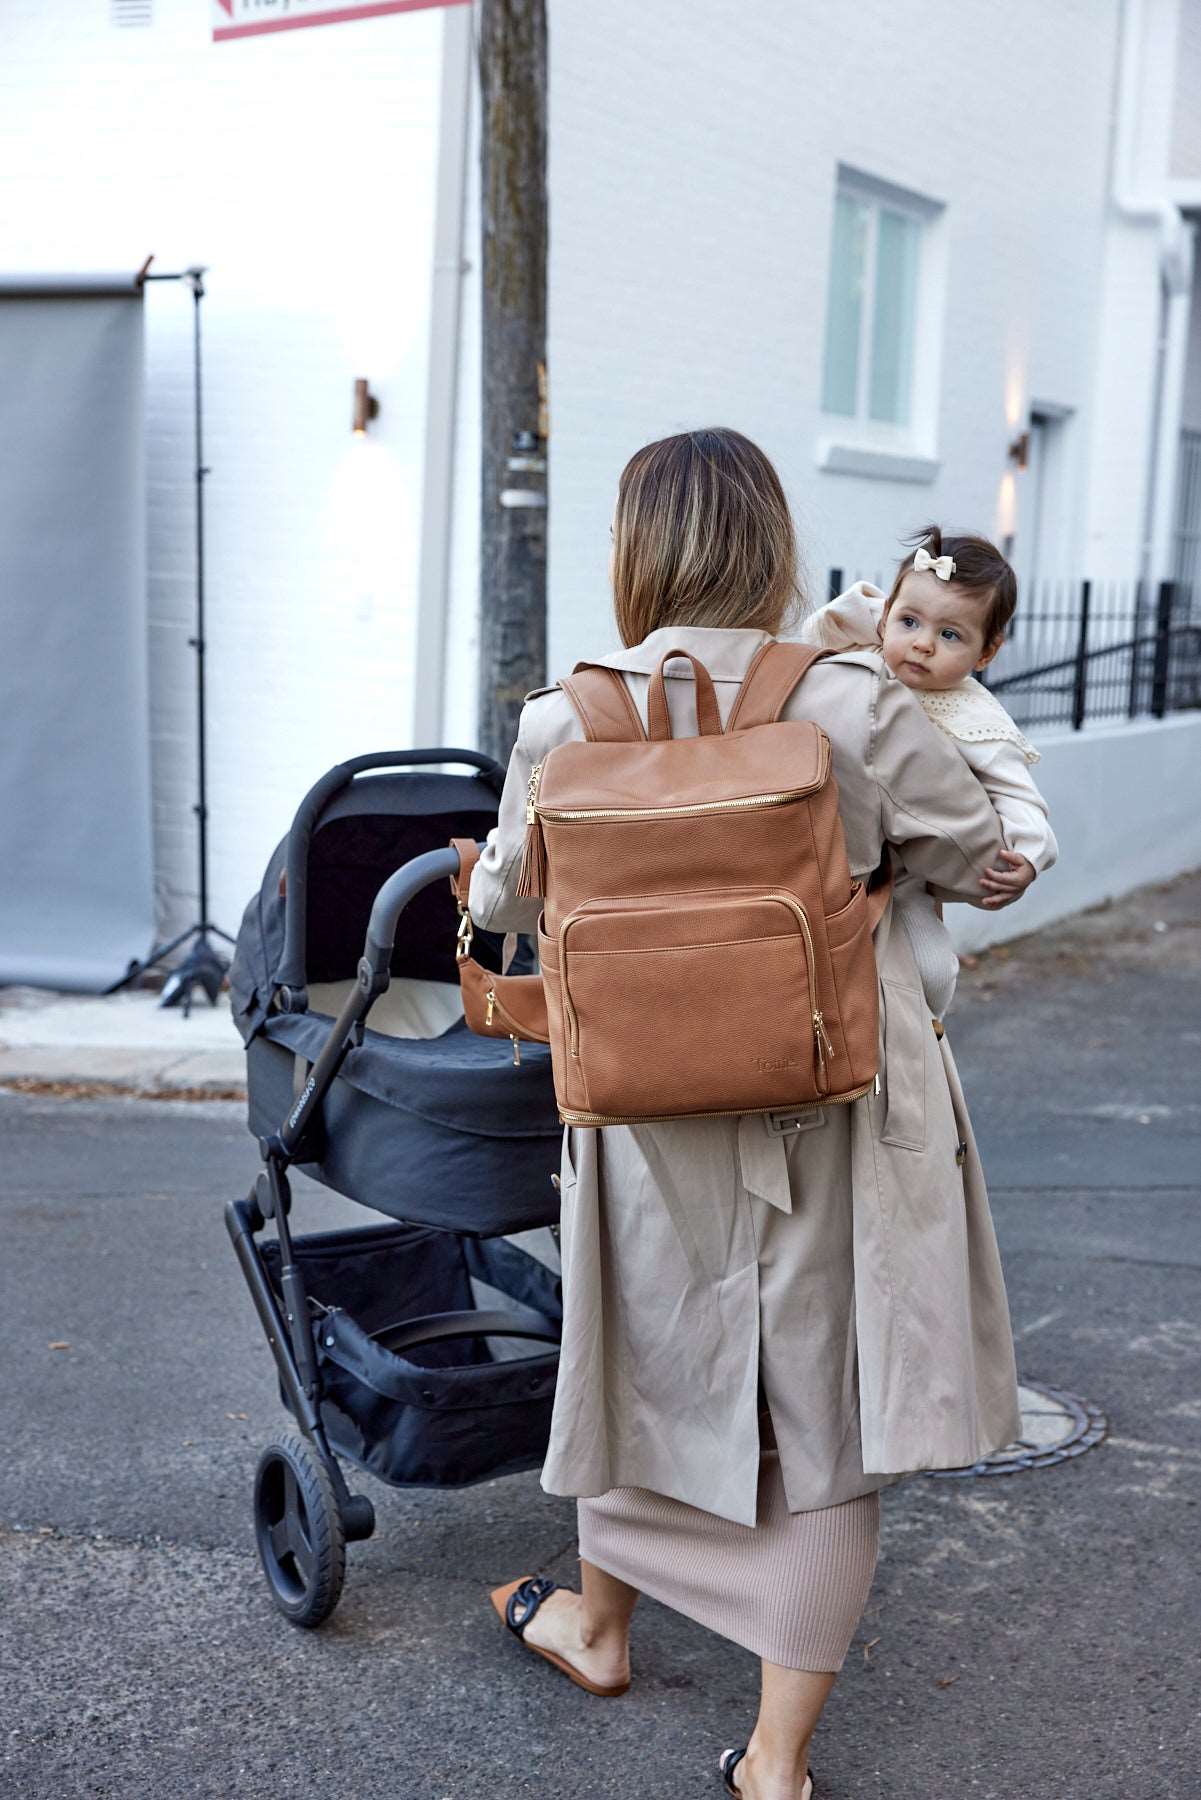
(1004, 886)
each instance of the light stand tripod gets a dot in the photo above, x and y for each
(202, 967)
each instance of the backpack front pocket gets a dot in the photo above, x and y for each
(704, 999)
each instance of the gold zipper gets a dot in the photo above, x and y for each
(495, 1006)
(746, 803)
(586, 1118)
(531, 791)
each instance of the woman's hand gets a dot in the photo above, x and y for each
(1004, 886)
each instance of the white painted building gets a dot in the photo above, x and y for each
(885, 241)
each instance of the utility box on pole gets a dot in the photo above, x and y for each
(512, 51)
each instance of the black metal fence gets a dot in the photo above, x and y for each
(1083, 652)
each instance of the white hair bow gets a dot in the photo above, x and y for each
(943, 566)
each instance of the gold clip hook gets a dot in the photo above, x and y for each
(464, 936)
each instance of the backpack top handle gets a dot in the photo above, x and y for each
(608, 714)
(708, 717)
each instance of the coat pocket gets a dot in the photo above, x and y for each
(906, 1031)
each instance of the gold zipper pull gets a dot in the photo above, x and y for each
(491, 999)
(531, 877)
(516, 1043)
(822, 1036)
(531, 791)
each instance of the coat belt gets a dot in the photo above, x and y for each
(763, 1152)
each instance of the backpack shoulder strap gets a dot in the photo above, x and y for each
(603, 703)
(774, 672)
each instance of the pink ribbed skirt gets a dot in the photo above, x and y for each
(790, 1588)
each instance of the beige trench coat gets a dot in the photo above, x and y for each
(844, 1255)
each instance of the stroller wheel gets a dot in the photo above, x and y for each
(299, 1530)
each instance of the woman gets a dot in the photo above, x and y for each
(766, 1318)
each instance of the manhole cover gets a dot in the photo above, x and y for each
(1055, 1426)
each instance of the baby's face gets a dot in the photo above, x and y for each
(933, 633)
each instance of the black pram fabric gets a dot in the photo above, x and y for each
(365, 834)
(444, 1131)
(441, 1414)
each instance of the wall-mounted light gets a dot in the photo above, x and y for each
(366, 407)
(1019, 450)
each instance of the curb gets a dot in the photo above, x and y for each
(95, 1073)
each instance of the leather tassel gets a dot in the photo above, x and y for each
(531, 881)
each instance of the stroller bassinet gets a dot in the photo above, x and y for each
(424, 1351)
(441, 1130)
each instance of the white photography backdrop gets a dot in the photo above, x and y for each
(76, 875)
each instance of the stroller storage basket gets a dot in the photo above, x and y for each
(440, 1413)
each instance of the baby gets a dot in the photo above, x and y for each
(945, 619)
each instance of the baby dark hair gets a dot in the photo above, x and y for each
(979, 568)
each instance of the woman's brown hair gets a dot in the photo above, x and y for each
(702, 535)
(979, 568)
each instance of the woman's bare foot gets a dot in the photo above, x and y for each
(559, 1625)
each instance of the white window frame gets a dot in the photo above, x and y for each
(860, 445)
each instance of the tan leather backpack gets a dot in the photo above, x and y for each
(703, 946)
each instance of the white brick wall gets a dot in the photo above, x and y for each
(693, 157)
(693, 153)
(300, 167)
(1186, 113)
(1191, 410)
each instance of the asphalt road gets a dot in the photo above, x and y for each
(1033, 1635)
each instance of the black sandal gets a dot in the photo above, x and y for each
(730, 1760)
(517, 1603)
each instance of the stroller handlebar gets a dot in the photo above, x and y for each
(394, 896)
(374, 976)
(290, 975)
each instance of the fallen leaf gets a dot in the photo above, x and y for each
(58, 1344)
(868, 1648)
(946, 1681)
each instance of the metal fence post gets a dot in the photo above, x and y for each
(1080, 683)
(835, 584)
(1163, 648)
(1134, 706)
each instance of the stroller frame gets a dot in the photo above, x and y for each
(305, 1513)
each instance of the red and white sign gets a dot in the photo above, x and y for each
(251, 18)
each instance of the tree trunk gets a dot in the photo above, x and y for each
(512, 47)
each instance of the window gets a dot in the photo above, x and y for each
(877, 254)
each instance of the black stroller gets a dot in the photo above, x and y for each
(406, 1348)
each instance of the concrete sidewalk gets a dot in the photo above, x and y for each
(124, 1042)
